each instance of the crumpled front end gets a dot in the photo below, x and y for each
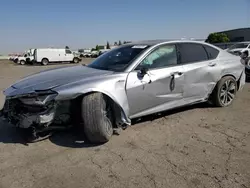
(27, 115)
(38, 111)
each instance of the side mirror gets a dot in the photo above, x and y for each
(244, 54)
(142, 71)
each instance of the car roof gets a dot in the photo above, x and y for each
(162, 41)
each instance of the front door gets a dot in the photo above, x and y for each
(68, 55)
(160, 87)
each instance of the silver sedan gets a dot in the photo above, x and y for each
(130, 81)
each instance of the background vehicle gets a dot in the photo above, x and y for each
(238, 48)
(27, 57)
(103, 51)
(245, 59)
(15, 58)
(47, 55)
(22, 59)
(85, 53)
(130, 81)
(94, 54)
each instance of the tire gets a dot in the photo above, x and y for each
(224, 84)
(22, 62)
(75, 60)
(45, 61)
(97, 126)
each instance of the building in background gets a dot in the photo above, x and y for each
(238, 35)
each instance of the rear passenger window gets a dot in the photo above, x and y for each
(212, 52)
(191, 53)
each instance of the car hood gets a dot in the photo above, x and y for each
(53, 78)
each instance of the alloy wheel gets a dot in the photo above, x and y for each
(227, 92)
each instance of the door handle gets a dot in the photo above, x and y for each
(212, 64)
(176, 73)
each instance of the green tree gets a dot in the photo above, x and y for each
(217, 38)
(66, 47)
(120, 43)
(125, 42)
(97, 48)
(108, 46)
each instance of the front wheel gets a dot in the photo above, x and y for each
(97, 118)
(224, 92)
(75, 60)
(22, 62)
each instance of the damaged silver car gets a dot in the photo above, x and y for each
(130, 81)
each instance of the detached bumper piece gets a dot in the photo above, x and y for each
(36, 120)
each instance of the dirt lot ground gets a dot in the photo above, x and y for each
(197, 146)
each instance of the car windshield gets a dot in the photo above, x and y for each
(241, 45)
(118, 59)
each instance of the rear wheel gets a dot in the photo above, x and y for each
(45, 61)
(97, 118)
(224, 92)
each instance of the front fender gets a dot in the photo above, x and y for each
(114, 89)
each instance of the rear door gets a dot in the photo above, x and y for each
(200, 69)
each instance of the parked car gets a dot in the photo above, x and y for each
(130, 81)
(26, 58)
(22, 59)
(238, 48)
(15, 58)
(94, 54)
(12, 57)
(85, 54)
(245, 60)
(45, 56)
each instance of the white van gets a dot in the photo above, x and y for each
(54, 55)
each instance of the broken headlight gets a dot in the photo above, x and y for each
(40, 98)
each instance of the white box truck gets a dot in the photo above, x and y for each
(54, 55)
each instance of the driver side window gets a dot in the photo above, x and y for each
(161, 57)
